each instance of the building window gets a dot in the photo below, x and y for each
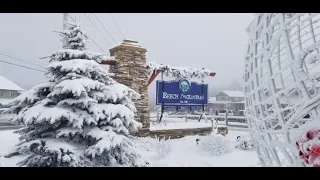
(1, 92)
(12, 93)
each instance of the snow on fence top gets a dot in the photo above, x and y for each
(6, 84)
(177, 72)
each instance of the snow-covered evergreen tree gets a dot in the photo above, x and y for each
(80, 116)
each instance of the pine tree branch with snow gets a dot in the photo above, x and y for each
(80, 116)
(177, 72)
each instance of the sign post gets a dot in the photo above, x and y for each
(162, 105)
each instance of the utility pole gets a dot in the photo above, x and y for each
(226, 118)
(65, 20)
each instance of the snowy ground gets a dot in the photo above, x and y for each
(8, 140)
(184, 152)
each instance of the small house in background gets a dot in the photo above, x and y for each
(233, 96)
(8, 91)
(229, 100)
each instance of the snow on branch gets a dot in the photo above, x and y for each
(119, 91)
(32, 95)
(62, 152)
(76, 65)
(80, 67)
(76, 86)
(178, 72)
(115, 147)
(66, 54)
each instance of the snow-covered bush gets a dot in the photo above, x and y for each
(215, 144)
(163, 147)
(244, 143)
(148, 144)
(80, 116)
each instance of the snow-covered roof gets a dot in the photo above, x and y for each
(234, 93)
(8, 85)
(212, 99)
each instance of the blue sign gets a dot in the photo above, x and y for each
(181, 93)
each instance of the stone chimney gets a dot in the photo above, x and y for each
(130, 70)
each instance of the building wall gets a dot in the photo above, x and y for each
(236, 106)
(236, 99)
(8, 94)
(230, 106)
(222, 97)
(216, 106)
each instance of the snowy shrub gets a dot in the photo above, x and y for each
(80, 116)
(163, 147)
(148, 144)
(244, 143)
(215, 144)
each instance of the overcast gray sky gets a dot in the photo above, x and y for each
(214, 41)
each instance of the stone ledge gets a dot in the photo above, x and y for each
(128, 45)
(173, 133)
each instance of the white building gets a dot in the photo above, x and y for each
(231, 100)
(8, 91)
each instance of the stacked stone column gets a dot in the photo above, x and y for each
(130, 70)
